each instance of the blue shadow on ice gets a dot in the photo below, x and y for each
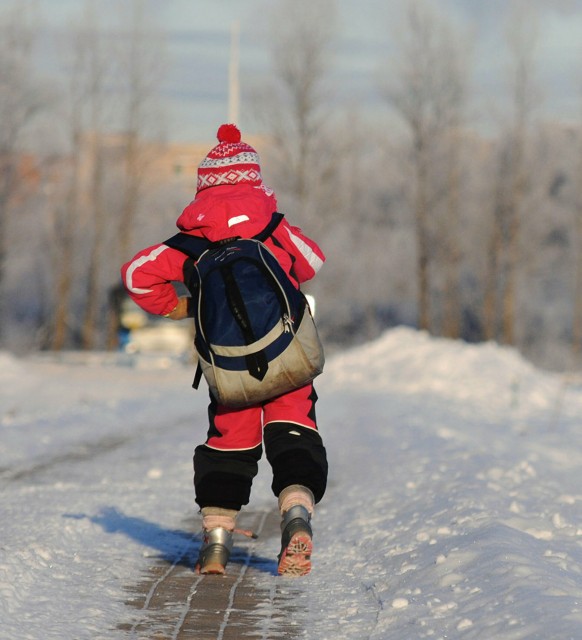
(175, 546)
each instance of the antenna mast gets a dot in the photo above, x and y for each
(233, 74)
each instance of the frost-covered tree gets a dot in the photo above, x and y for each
(113, 73)
(523, 38)
(21, 97)
(426, 84)
(295, 108)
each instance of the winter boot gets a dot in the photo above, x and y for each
(296, 505)
(218, 526)
(215, 551)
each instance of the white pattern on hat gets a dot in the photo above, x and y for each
(229, 162)
(245, 157)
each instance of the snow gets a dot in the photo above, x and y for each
(454, 507)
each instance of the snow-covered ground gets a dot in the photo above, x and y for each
(454, 508)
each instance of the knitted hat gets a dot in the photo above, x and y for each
(230, 162)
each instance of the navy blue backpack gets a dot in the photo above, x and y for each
(255, 335)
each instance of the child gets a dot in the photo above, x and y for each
(231, 200)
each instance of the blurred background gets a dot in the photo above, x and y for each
(432, 148)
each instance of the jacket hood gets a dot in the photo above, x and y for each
(218, 212)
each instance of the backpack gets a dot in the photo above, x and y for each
(255, 335)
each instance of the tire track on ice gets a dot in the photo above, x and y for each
(78, 452)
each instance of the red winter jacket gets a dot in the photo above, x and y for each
(217, 213)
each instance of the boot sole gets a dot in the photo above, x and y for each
(296, 557)
(211, 569)
(213, 559)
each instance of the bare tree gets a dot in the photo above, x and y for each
(98, 78)
(20, 100)
(112, 79)
(493, 270)
(451, 98)
(81, 218)
(141, 68)
(428, 90)
(66, 215)
(296, 108)
(577, 314)
(522, 40)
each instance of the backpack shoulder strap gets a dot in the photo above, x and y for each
(270, 228)
(192, 246)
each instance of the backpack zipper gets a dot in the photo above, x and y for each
(288, 324)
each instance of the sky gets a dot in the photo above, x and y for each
(198, 36)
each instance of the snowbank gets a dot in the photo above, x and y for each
(454, 507)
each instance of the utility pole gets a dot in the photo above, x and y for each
(233, 74)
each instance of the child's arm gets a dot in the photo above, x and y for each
(148, 280)
(308, 257)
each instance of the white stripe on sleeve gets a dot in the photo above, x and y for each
(306, 251)
(136, 264)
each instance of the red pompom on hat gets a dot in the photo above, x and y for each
(230, 161)
(228, 133)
